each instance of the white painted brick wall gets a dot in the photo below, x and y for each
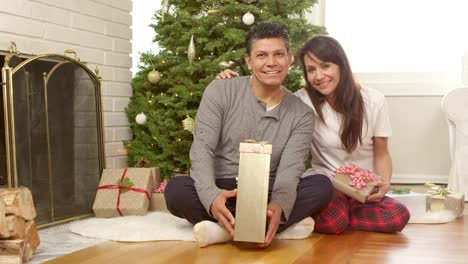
(120, 104)
(50, 14)
(115, 119)
(123, 46)
(19, 7)
(60, 34)
(97, 41)
(124, 133)
(117, 89)
(99, 31)
(88, 23)
(20, 25)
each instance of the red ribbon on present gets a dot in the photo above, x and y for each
(358, 175)
(115, 186)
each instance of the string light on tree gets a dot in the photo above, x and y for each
(248, 18)
(140, 118)
(154, 76)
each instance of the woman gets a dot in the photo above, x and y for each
(352, 126)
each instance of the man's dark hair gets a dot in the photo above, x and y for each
(267, 30)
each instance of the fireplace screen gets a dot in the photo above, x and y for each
(52, 126)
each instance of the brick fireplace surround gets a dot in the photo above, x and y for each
(99, 31)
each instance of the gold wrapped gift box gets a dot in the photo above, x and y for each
(454, 202)
(252, 191)
(440, 198)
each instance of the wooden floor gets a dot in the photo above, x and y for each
(418, 243)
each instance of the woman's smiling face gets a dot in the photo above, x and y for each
(323, 76)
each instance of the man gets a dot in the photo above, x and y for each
(252, 107)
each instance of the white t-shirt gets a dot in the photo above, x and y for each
(327, 151)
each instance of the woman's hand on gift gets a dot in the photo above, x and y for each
(381, 188)
(383, 168)
(219, 210)
(226, 74)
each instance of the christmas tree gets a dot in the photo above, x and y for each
(197, 39)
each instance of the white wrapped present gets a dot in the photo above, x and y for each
(415, 202)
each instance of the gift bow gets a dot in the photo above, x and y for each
(263, 143)
(358, 175)
(437, 191)
(398, 190)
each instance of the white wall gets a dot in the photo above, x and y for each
(99, 31)
(420, 142)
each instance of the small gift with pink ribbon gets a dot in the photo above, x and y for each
(354, 181)
(124, 192)
(158, 202)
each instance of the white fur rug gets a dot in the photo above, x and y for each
(164, 226)
(156, 226)
(152, 226)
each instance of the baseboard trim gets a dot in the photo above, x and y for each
(419, 178)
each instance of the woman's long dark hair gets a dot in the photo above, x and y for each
(348, 99)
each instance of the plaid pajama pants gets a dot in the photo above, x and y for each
(343, 212)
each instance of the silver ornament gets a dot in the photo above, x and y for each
(140, 118)
(191, 50)
(248, 18)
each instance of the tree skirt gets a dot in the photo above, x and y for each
(152, 226)
(440, 217)
(155, 226)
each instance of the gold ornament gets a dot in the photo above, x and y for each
(154, 76)
(191, 50)
(188, 123)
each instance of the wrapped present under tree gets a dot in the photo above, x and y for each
(440, 198)
(124, 192)
(415, 202)
(158, 203)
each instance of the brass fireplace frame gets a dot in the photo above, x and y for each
(9, 113)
